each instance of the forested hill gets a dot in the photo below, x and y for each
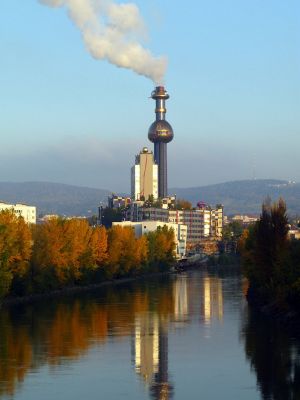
(54, 198)
(237, 196)
(244, 196)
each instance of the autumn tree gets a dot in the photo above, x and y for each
(15, 249)
(121, 250)
(63, 249)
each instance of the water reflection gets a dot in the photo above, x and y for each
(56, 333)
(151, 354)
(212, 304)
(180, 295)
(274, 355)
(143, 316)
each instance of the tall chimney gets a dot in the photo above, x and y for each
(160, 133)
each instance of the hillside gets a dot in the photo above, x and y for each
(54, 198)
(237, 196)
(244, 196)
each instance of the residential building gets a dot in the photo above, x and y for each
(21, 210)
(202, 222)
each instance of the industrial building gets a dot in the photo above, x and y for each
(144, 176)
(144, 227)
(21, 210)
(149, 181)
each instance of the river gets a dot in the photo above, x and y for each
(185, 336)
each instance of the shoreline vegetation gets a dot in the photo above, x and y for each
(271, 262)
(67, 255)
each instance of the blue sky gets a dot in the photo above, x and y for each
(233, 77)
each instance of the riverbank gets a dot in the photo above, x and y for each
(73, 290)
(76, 289)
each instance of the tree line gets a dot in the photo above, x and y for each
(271, 260)
(62, 253)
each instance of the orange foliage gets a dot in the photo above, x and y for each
(68, 246)
(15, 242)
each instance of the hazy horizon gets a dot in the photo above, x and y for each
(112, 190)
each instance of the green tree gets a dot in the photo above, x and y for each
(161, 248)
(265, 252)
(233, 230)
(182, 204)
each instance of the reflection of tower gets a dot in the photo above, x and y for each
(146, 346)
(161, 389)
(151, 354)
(212, 298)
(160, 133)
(180, 299)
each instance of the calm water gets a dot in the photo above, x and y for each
(187, 336)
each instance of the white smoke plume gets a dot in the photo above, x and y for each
(114, 32)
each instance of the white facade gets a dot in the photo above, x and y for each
(144, 176)
(21, 210)
(135, 182)
(143, 227)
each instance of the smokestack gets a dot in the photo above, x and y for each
(160, 133)
(114, 32)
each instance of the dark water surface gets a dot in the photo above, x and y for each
(189, 336)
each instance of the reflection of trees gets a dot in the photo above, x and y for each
(55, 333)
(15, 354)
(274, 356)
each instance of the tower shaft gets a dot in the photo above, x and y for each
(160, 156)
(161, 133)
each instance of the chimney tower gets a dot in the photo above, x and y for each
(160, 133)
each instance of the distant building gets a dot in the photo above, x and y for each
(143, 227)
(202, 222)
(47, 217)
(245, 219)
(144, 176)
(21, 210)
(115, 201)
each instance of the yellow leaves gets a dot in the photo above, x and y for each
(63, 252)
(15, 243)
(121, 249)
(68, 246)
